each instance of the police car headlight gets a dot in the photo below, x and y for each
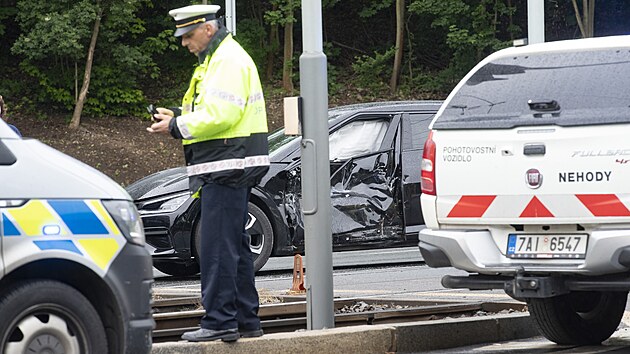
(127, 218)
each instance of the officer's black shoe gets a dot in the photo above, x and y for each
(250, 333)
(203, 334)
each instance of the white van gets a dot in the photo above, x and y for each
(525, 182)
(74, 274)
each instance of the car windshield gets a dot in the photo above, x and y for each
(277, 139)
(547, 88)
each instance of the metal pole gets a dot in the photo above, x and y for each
(316, 171)
(230, 16)
(535, 21)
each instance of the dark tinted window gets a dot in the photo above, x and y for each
(419, 130)
(581, 88)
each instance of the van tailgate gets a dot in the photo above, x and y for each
(532, 175)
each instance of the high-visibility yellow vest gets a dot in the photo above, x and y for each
(224, 98)
(224, 121)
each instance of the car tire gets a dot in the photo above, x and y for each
(39, 315)
(579, 318)
(177, 269)
(260, 232)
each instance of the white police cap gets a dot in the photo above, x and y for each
(190, 17)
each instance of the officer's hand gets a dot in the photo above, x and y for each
(161, 120)
(166, 111)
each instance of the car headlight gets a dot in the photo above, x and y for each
(174, 203)
(127, 218)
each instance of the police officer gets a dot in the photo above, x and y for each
(223, 127)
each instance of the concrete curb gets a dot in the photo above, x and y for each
(399, 338)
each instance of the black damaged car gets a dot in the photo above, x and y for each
(375, 156)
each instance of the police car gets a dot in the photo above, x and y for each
(74, 274)
(525, 183)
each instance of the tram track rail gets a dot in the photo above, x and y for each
(174, 316)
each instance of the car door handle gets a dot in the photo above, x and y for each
(534, 149)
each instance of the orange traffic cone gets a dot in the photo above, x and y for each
(298, 275)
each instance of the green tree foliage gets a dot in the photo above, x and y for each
(283, 14)
(471, 29)
(53, 47)
(137, 60)
(373, 7)
(372, 71)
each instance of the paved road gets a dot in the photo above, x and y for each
(370, 274)
(388, 273)
(403, 255)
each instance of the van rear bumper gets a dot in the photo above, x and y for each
(523, 286)
(477, 252)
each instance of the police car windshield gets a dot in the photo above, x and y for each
(578, 84)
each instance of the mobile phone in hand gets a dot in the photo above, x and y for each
(152, 110)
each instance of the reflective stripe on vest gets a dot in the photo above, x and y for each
(229, 164)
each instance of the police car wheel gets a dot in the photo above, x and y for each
(259, 229)
(43, 316)
(579, 318)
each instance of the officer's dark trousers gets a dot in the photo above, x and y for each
(228, 292)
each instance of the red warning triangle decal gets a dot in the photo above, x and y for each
(604, 204)
(471, 206)
(536, 209)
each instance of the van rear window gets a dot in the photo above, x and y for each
(561, 88)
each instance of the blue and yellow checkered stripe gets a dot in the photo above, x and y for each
(83, 227)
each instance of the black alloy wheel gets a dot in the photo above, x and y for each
(261, 236)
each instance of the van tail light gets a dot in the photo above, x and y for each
(428, 166)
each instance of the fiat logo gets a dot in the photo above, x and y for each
(533, 178)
